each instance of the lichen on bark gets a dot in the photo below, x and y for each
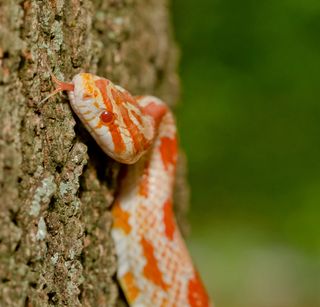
(56, 184)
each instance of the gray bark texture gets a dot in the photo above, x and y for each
(56, 185)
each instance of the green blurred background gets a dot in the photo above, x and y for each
(250, 124)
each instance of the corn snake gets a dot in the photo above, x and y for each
(154, 266)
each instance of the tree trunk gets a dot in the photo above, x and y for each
(56, 184)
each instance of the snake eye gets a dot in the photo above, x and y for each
(107, 117)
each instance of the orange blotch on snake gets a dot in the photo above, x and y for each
(144, 182)
(197, 295)
(156, 111)
(87, 96)
(137, 117)
(139, 141)
(165, 303)
(127, 96)
(86, 76)
(88, 88)
(102, 85)
(90, 94)
(120, 218)
(168, 219)
(168, 150)
(131, 287)
(87, 112)
(151, 270)
(119, 145)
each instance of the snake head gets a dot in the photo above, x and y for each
(112, 116)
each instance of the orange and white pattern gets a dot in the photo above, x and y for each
(154, 266)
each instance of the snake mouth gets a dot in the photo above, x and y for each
(60, 87)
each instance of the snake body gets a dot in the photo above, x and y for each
(154, 266)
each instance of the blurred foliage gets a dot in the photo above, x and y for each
(250, 125)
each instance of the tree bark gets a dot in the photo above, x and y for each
(56, 184)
